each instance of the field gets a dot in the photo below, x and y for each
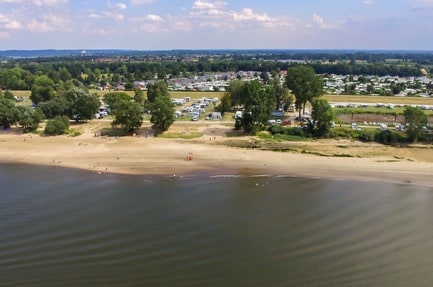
(378, 99)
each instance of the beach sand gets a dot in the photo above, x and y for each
(210, 154)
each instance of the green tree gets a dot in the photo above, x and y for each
(42, 90)
(29, 119)
(258, 102)
(57, 126)
(160, 106)
(85, 107)
(415, 120)
(8, 113)
(304, 84)
(162, 113)
(322, 116)
(225, 105)
(127, 114)
(57, 106)
(112, 98)
(283, 98)
(139, 97)
(157, 89)
(9, 95)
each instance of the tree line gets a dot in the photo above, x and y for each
(20, 74)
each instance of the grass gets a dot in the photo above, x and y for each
(379, 99)
(185, 136)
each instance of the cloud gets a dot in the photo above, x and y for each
(114, 15)
(49, 23)
(154, 18)
(422, 6)
(49, 2)
(318, 20)
(116, 6)
(200, 5)
(7, 23)
(11, 1)
(368, 2)
(140, 2)
(215, 15)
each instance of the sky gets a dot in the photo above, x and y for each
(207, 24)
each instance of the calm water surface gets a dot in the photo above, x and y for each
(62, 227)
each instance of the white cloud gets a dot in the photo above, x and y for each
(318, 20)
(49, 23)
(140, 2)
(121, 6)
(7, 23)
(114, 15)
(11, 1)
(49, 2)
(215, 15)
(368, 2)
(116, 6)
(95, 16)
(154, 18)
(208, 5)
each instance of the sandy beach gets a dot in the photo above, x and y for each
(211, 154)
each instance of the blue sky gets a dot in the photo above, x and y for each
(225, 24)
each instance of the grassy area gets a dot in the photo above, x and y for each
(185, 136)
(379, 99)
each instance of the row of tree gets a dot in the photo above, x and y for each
(21, 74)
(75, 103)
(128, 112)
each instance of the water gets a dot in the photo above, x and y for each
(62, 227)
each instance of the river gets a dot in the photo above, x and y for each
(65, 227)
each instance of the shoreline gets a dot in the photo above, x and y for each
(167, 157)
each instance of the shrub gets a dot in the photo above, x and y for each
(57, 126)
(277, 129)
(296, 132)
(344, 133)
(388, 137)
(367, 136)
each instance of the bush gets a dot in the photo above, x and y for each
(57, 126)
(277, 129)
(388, 137)
(296, 132)
(367, 136)
(344, 133)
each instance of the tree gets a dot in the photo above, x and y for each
(85, 107)
(29, 119)
(162, 113)
(139, 97)
(258, 102)
(8, 113)
(9, 95)
(127, 114)
(42, 90)
(57, 126)
(415, 120)
(57, 106)
(225, 104)
(160, 106)
(304, 84)
(157, 89)
(322, 116)
(283, 98)
(112, 98)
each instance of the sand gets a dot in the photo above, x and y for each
(324, 159)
